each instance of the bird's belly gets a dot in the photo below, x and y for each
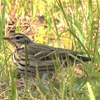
(33, 70)
(32, 67)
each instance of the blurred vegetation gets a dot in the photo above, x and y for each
(70, 24)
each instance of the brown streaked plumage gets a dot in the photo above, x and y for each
(40, 56)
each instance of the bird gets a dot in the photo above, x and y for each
(31, 57)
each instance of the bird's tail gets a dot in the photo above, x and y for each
(84, 59)
(79, 58)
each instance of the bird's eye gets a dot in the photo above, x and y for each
(18, 37)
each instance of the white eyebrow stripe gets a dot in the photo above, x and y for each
(19, 35)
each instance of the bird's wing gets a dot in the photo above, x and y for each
(43, 55)
(44, 52)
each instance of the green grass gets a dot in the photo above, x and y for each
(79, 31)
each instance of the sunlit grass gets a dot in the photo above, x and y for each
(78, 30)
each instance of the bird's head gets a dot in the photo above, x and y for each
(17, 39)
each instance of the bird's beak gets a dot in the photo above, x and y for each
(7, 38)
